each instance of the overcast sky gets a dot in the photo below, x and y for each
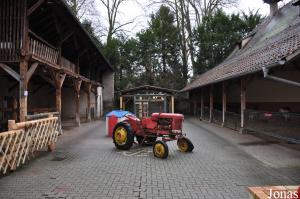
(137, 10)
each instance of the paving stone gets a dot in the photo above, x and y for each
(93, 168)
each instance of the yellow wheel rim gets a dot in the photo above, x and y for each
(120, 135)
(159, 150)
(183, 145)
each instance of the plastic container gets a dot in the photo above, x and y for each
(113, 118)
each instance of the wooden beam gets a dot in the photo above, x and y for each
(76, 43)
(211, 103)
(41, 39)
(10, 71)
(57, 26)
(121, 103)
(62, 79)
(243, 101)
(77, 86)
(34, 7)
(172, 104)
(58, 78)
(31, 71)
(67, 36)
(15, 109)
(89, 87)
(224, 102)
(83, 52)
(47, 79)
(23, 91)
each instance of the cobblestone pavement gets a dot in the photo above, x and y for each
(86, 165)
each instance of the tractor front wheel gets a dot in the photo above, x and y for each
(160, 149)
(123, 136)
(185, 145)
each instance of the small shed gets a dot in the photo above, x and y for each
(145, 100)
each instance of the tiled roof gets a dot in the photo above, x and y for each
(275, 39)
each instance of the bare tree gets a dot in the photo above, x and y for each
(204, 8)
(190, 14)
(112, 10)
(82, 8)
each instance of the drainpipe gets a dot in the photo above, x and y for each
(278, 79)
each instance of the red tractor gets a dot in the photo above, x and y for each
(166, 126)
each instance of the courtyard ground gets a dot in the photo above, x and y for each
(87, 165)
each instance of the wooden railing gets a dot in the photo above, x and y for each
(23, 139)
(68, 65)
(41, 50)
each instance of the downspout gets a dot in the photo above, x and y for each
(278, 79)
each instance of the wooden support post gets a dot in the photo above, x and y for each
(165, 104)
(101, 101)
(121, 103)
(51, 147)
(15, 109)
(58, 80)
(89, 87)
(224, 102)
(11, 125)
(77, 85)
(211, 103)
(243, 102)
(96, 113)
(172, 104)
(23, 91)
(202, 103)
(58, 99)
(124, 104)
(195, 107)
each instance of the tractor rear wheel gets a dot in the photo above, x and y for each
(185, 145)
(160, 149)
(123, 136)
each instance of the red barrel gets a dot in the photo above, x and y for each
(111, 122)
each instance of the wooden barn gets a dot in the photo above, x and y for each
(257, 87)
(49, 63)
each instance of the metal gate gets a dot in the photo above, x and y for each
(145, 105)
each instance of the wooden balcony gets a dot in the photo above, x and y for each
(66, 64)
(45, 52)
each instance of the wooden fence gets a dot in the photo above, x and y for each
(21, 141)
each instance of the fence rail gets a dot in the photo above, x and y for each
(65, 63)
(43, 51)
(23, 139)
(232, 120)
(217, 116)
(283, 125)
